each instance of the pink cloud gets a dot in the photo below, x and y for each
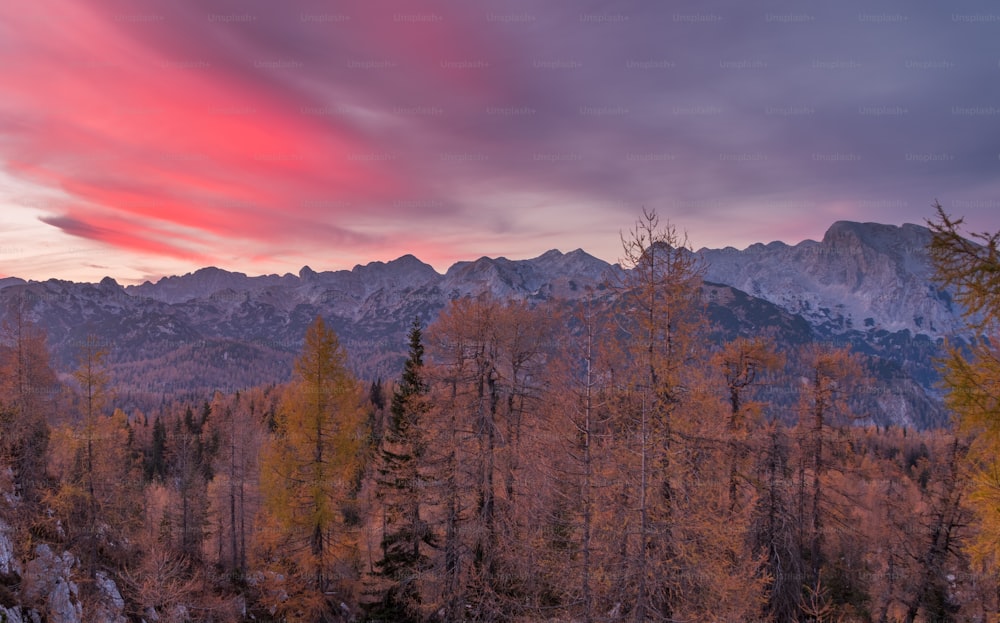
(320, 132)
(200, 148)
(122, 234)
(173, 133)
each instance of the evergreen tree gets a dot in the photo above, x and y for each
(400, 490)
(156, 463)
(376, 415)
(376, 394)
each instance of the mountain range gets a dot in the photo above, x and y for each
(864, 284)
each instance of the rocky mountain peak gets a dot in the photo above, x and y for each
(860, 276)
(411, 262)
(863, 283)
(405, 266)
(11, 281)
(878, 236)
(307, 274)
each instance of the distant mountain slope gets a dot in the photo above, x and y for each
(867, 285)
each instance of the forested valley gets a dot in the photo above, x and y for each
(599, 460)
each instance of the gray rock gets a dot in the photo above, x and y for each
(8, 560)
(110, 607)
(11, 615)
(47, 584)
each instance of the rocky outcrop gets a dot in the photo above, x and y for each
(110, 606)
(47, 586)
(13, 615)
(9, 564)
(861, 276)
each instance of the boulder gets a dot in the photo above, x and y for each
(110, 607)
(48, 586)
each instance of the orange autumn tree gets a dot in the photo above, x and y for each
(969, 264)
(28, 387)
(658, 294)
(307, 478)
(574, 538)
(831, 378)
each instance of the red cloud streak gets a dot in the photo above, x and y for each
(146, 149)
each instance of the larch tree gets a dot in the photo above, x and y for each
(755, 560)
(234, 488)
(939, 542)
(743, 363)
(659, 292)
(969, 266)
(717, 571)
(485, 360)
(117, 471)
(401, 486)
(307, 476)
(448, 451)
(773, 527)
(483, 412)
(97, 507)
(27, 389)
(93, 378)
(526, 337)
(586, 419)
(582, 518)
(831, 375)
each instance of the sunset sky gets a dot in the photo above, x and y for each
(141, 138)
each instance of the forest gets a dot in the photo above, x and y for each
(586, 462)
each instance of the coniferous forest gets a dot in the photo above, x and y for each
(600, 460)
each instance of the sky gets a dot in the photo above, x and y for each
(143, 138)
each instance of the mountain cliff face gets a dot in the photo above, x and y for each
(861, 276)
(866, 285)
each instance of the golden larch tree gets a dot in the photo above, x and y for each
(969, 265)
(307, 477)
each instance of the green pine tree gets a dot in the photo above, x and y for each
(156, 465)
(400, 489)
